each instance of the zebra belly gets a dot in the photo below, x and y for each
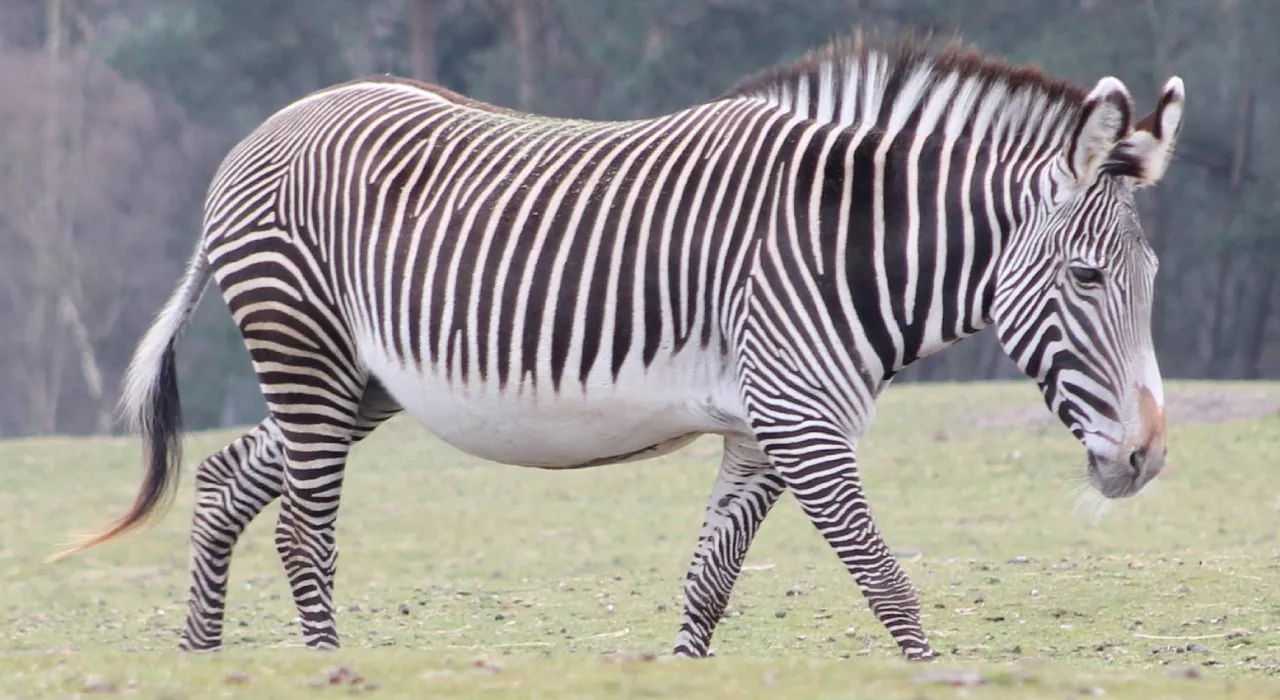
(645, 414)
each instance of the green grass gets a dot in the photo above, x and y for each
(546, 574)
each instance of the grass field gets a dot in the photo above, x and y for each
(460, 578)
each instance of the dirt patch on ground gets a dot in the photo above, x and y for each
(1193, 404)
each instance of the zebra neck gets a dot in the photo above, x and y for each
(914, 235)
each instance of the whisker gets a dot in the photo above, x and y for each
(1088, 502)
(1093, 505)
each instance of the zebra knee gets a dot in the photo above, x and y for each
(285, 536)
(235, 483)
(215, 525)
(290, 549)
(255, 459)
(218, 469)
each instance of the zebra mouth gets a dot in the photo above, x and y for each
(1111, 483)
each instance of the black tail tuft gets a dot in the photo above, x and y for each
(151, 403)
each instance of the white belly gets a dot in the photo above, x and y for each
(646, 414)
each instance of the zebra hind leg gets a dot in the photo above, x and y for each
(376, 407)
(746, 488)
(313, 483)
(233, 485)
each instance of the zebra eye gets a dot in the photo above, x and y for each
(1086, 276)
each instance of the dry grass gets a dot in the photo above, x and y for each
(568, 580)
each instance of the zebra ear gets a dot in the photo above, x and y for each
(1104, 120)
(1144, 154)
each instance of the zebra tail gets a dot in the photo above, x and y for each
(151, 406)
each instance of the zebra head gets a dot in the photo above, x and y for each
(1073, 291)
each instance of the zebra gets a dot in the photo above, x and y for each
(562, 294)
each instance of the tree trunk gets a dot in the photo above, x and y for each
(53, 28)
(90, 368)
(1254, 337)
(43, 345)
(524, 21)
(1211, 342)
(422, 46)
(1214, 343)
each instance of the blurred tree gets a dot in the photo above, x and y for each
(1215, 221)
(422, 46)
(81, 207)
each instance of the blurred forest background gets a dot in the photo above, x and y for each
(115, 113)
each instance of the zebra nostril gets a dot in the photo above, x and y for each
(1136, 459)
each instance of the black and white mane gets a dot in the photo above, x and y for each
(892, 85)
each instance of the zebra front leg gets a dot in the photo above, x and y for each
(746, 488)
(233, 485)
(822, 473)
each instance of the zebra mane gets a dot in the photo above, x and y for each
(862, 80)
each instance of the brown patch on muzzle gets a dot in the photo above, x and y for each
(1151, 415)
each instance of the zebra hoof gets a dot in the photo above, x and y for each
(323, 645)
(920, 654)
(189, 647)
